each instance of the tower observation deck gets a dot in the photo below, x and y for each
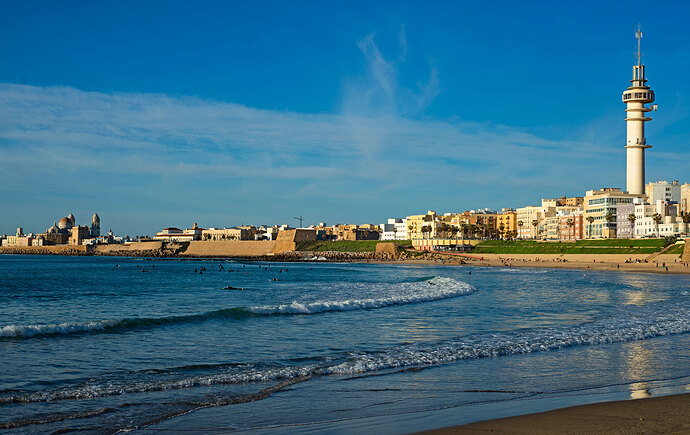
(636, 98)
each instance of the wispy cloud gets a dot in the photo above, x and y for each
(186, 156)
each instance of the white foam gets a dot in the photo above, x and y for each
(619, 329)
(625, 327)
(60, 328)
(435, 289)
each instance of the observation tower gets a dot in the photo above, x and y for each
(636, 97)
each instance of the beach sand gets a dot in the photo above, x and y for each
(610, 262)
(657, 415)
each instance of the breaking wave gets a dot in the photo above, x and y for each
(435, 288)
(623, 327)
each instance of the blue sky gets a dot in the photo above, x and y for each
(159, 114)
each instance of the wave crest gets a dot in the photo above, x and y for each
(433, 289)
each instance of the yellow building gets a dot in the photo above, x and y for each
(415, 224)
(506, 222)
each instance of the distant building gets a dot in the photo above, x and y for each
(625, 226)
(173, 234)
(685, 198)
(215, 234)
(506, 222)
(571, 226)
(394, 229)
(601, 206)
(95, 226)
(663, 190)
(356, 232)
(528, 219)
(79, 234)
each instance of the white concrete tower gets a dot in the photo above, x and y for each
(636, 97)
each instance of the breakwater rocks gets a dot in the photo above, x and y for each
(252, 252)
(46, 250)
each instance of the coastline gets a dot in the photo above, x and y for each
(645, 263)
(659, 415)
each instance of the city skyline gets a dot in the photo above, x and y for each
(397, 112)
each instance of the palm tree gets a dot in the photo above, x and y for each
(632, 218)
(571, 224)
(590, 219)
(656, 217)
(501, 227)
(520, 224)
(535, 223)
(454, 231)
(609, 218)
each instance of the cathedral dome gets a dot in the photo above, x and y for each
(71, 218)
(65, 223)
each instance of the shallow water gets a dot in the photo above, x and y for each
(106, 344)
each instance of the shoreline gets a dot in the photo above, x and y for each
(659, 415)
(661, 263)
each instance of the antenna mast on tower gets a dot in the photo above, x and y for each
(638, 35)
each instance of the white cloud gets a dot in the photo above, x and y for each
(378, 156)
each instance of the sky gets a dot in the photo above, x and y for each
(158, 114)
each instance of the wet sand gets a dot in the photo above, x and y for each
(657, 415)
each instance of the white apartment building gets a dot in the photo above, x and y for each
(394, 229)
(663, 190)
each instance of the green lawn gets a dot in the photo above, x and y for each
(676, 249)
(606, 246)
(345, 245)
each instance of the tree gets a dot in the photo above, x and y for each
(656, 217)
(501, 228)
(535, 224)
(609, 219)
(454, 231)
(520, 224)
(590, 219)
(571, 224)
(632, 218)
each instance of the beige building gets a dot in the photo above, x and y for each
(173, 234)
(216, 234)
(602, 203)
(528, 221)
(685, 198)
(78, 235)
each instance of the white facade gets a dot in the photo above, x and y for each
(394, 229)
(663, 190)
(670, 224)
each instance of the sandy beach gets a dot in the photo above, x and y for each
(664, 263)
(657, 415)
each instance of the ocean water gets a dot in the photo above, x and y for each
(114, 344)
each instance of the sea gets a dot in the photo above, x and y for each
(114, 344)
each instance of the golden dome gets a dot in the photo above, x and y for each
(65, 223)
